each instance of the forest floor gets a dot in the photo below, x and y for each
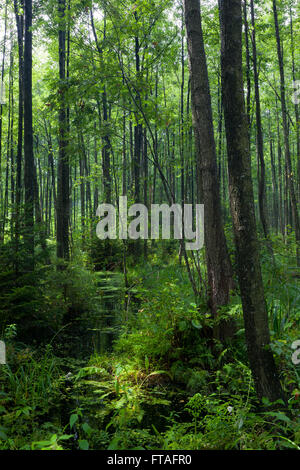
(148, 374)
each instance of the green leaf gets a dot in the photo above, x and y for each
(3, 436)
(65, 437)
(83, 445)
(279, 415)
(87, 428)
(158, 372)
(73, 420)
(196, 324)
(114, 444)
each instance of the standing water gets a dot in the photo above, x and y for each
(107, 328)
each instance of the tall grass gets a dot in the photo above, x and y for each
(33, 382)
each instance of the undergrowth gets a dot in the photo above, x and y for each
(165, 383)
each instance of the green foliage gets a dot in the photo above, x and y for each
(168, 323)
(106, 255)
(55, 303)
(29, 389)
(109, 350)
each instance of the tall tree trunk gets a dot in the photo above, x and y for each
(1, 110)
(63, 171)
(138, 128)
(9, 140)
(107, 178)
(20, 31)
(181, 135)
(96, 190)
(12, 159)
(261, 360)
(217, 258)
(124, 158)
(51, 167)
(247, 64)
(28, 141)
(146, 183)
(274, 186)
(259, 136)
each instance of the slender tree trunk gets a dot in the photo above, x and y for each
(63, 171)
(275, 206)
(20, 31)
(124, 155)
(181, 136)
(28, 140)
(1, 111)
(279, 159)
(12, 150)
(138, 128)
(8, 145)
(82, 188)
(259, 136)
(96, 189)
(247, 64)
(274, 187)
(107, 179)
(51, 167)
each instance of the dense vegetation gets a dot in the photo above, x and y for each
(142, 344)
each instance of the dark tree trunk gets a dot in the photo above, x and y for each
(261, 360)
(1, 108)
(124, 156)
(247, 64)
(20, 31)
(259, 135)
(274, 187)
(63, 171)
(107, 179)
(138, 128)
(297, 118)
(28, 141)
(51, 167)
(217, 258)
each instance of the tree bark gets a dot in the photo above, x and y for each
(259, 136)
(107, 178)
(20, 32)
(217, 258)
(1, 107)
(28, 141)
(63, 171)
(261, 360)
